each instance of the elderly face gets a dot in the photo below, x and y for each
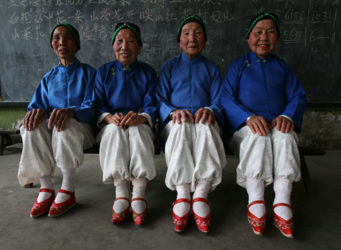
(63, 44)
(263, 38)
(192, 39)
(126, 47)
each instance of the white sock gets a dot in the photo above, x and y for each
(283, 188)
(121, 191)
(68, 184)
(255, 190)
(139, 188)
(182, 208)
(45, 182)
(202, 209)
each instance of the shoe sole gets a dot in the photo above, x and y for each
(254, 231)
(203, 231)
(38, 215)
(290, 236)
(56, 215)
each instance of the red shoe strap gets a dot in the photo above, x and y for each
(66, 192)
(201, 199)
(122, 198)
(281, 204)
(256, 202)
(181, 200)
(139, 199)
(46, 190)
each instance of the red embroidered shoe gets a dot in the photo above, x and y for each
(286, 227)
(40, 208)
(257, 224)
(139, 218)
(180, 223)
(118, 218)
(58, 209)
(203, 224)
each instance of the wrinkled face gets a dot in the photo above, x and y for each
(126, 47)
(192, 39)
(263, 38)
(63, 43)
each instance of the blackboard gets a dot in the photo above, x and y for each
(310, 37)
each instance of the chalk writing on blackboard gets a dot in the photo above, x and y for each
(310, 30)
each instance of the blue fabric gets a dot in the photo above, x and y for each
(67, 87)
(267, 88)
(189, 84)
(121, 90)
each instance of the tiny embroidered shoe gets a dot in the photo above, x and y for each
(40, 208)
(139, 218)
(203, 224)
(118, 218)
(58, 209)
(257, 224)
(180, 223)
(286, 227)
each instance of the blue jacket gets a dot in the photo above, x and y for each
(189, 84)
(265, 87)
(118, 89)
(67, 87)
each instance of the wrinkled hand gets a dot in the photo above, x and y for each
(33, 118)
(59, 117)
(132, 119)
(180, 115)
(258, 125)
(113, 118)
(283, 124)
(203, 115)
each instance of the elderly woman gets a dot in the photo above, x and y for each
(56, 127)
(125, 101)
(264, 104)
(188, 94)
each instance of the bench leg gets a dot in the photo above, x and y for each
(305, 174)
(2, 144)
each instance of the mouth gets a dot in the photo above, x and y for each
(124, 53)
(263, 46)
(62, 51)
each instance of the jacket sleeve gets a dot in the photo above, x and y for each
(234, 111)
(296, 99)
(163, 93)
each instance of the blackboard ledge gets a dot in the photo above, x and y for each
(317, 105)
(5, 104)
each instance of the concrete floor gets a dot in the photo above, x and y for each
(88, 224)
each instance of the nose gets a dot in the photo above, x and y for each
(191, 36)
(124, 45)
(264, 35)
(61, 41)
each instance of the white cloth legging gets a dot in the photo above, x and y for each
(266, 157)
(193, 151)
(43, 149)
(126, 153)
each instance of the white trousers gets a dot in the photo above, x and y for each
(193, 152)
(126, 154)
(43, 149)
(266, 157)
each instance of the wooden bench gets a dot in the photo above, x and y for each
(6, 140)
(304, 151)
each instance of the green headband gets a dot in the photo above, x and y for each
(72, 29)
(260, 17)
(124, 26)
